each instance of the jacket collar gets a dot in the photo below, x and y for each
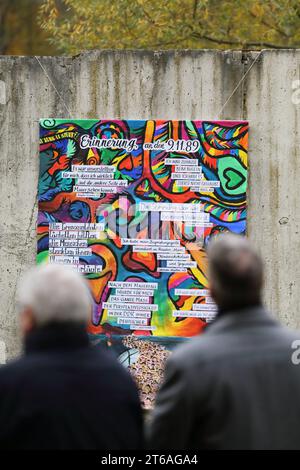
(56, 337)
(242, 318)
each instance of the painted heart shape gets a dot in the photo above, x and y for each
(234, 178)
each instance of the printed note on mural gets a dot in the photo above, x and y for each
(132, 205)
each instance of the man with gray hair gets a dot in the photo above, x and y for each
(235, 386)
(63, 394)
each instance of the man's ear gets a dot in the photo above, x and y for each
(27, 321)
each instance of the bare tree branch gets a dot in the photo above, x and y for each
(241, 43)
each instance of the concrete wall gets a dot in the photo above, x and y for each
(186, 84)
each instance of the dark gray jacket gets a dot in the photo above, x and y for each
(234, 387)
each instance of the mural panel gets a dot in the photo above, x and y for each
(132, 205)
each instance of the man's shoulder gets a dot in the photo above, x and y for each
(105, 359)
(94, 373)
(227, 344)
(96, 362)
(13, 370)
(193, 350)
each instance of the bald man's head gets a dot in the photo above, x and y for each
(236, 272)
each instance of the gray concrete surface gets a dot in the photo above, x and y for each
(179, 85)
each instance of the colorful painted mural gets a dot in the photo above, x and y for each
(132, 205)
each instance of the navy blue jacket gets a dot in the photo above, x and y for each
(64, 394)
